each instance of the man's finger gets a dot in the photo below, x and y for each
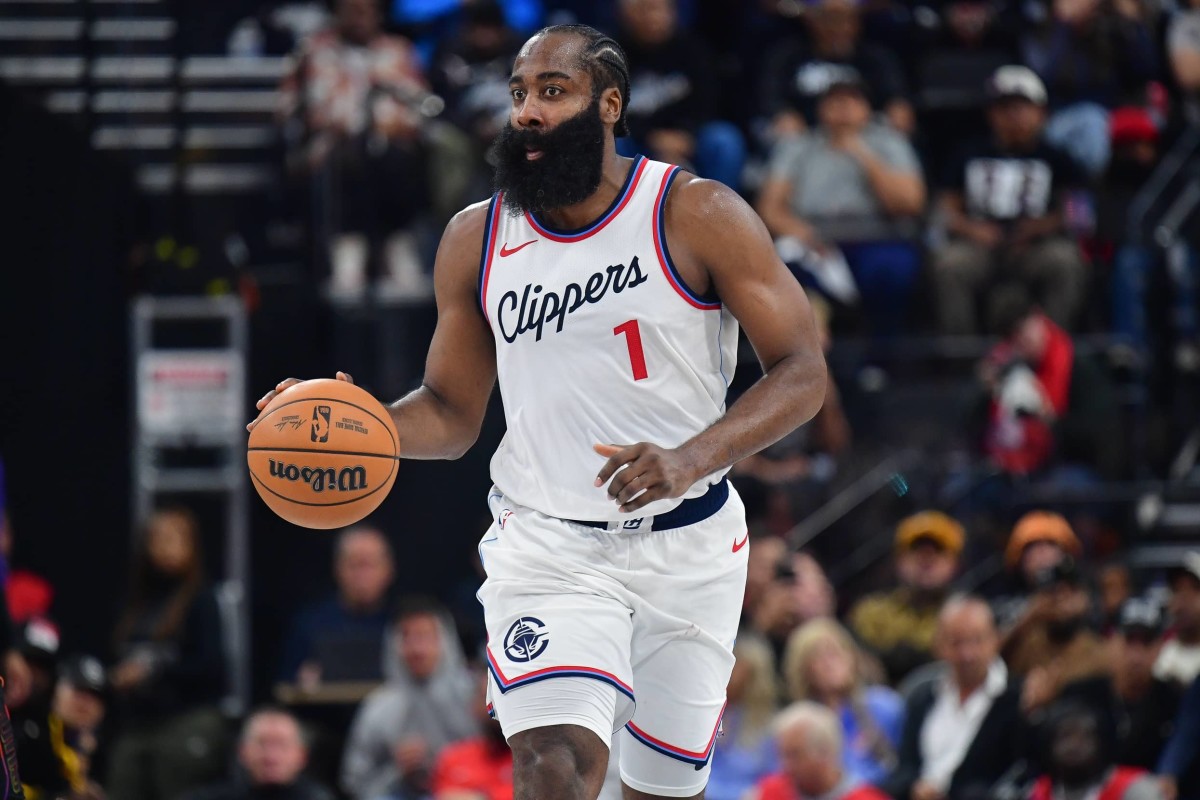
(345, 376)
(653, 493)
(631, 488)
(617, 458)
(634, 470)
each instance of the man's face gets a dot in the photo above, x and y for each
(420, 644)
(272, 751)
(363, 570)
(926, 566)
(1137, 650)
(1185, 603)
(1115, 588)
(551, 152)
(968, 643)
(807, 768)
(78, 708)
(1017, 122)
(844, 110)
(650, 22)
(358, 20)
(1075, 750)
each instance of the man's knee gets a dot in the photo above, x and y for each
(960, 262)
(559, 755)
(1059, 257)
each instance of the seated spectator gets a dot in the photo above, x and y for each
(822, 663)
(1052, 646)
(272, 755)
(1115, 587)
(170, 670)
(745, 752)
(1040, 540)
(797, 72)
(38, 643)
(964, 730)
(1047, 404)
(405, 723)
(343, 637)
(479, 768)
(1093, 56)
(847, 194)
(898, 626)
(1002, 202)
(1079, 760)
(800, 592)
(55, 748)
(1179, 766)
(1180, 657)
(810, 742)
(673, 95)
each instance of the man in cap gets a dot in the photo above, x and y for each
(899, 625)
(1180, 656)
(1039, 540)
(1003, 205)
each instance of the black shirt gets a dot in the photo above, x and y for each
(1005, 186)
(671, 85)
(795, 77)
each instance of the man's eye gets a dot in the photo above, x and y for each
(518, 94)
(553, 91)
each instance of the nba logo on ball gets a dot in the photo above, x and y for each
(526, 639)
(320, 426)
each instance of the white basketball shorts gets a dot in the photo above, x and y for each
(616, 629)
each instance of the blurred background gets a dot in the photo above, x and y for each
(992, 203)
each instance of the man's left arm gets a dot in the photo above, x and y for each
(710, 226)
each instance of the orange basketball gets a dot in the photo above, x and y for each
(324, 455)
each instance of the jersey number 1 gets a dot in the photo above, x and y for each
(633, 340)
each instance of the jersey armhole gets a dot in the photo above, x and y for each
(491, 223)
(707, 302)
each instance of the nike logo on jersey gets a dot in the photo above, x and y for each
(505, 252)
(534, 311)
(739, 545)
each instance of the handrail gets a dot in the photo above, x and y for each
(1170, 165)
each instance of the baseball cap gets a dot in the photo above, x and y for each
(1040, 526)
(1188, 565)
(1130, 124)
(844, 76)
(1016, 81)
(1139, 615)
(85, 673)
(930, 526)
(39, 640)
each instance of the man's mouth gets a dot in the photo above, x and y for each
(532, 154)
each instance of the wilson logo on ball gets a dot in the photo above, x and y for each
(346, 479)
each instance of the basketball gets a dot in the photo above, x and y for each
(324, 454)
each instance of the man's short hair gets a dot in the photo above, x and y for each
(272, 711)
(605, 62)
(822, 729)
(418, 605)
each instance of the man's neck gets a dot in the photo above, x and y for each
(612, 178)
(965, 690)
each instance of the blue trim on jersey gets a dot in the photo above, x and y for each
(721, 350)
(488, 244)
(543, 228)
(698, 763)
(710, 301)
(547, 674)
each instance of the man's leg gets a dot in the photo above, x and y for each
(1057, 269)
(960, 269)
(558, 761)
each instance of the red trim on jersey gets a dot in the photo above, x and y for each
(548, 672)
(699, 754)
(658, 226)
(600, 224)
(490, 243)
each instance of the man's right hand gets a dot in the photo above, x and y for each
(988, 234)
(282, 386)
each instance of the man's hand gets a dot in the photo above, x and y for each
(924, 790)
(1038, 690)
(988, 234)
(642, 473)
(411, 754)
(281, 387)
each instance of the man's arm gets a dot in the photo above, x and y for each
(775, 209)
(901, 192)
(442, 418)
(720, 243)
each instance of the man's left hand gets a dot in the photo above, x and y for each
(642, 473)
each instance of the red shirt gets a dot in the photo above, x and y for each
(779, 787)
(476, 765)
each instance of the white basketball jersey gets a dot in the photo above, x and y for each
(598, 341)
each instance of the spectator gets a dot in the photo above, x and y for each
(1039, 540)
(1115, 585)
(170, 669)
(38, 642)
(1093, 56)
(272, 755)
(799, 70)
(1079, 761)
(766, 554)
(810, 745)
(1052, 647)
(401, 726)
(745, 752)
(55, 748)
(1180, 657)
(822, 663)
(1180, 762)
(800, 592)
(851, 188)
(1048, 404)
(898, 626)
(343, 637)
(1002, 202)
(479, 768)
(962, 731)
(673, 95)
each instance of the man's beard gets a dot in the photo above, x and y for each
(568, 171)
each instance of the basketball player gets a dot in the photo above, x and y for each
(606, 294)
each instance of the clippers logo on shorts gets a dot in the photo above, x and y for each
(320, 424)
(526, 639)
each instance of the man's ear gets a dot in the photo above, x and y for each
(610, 105)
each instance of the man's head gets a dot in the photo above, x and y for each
(835, 26)
(1184, 582)
(420, 636)
(272, 748)
(1075, 744)
(967, 640)
(1039, 540)
(358, 21)
(809, 739)
(1017, 107)
(1139, 637)
(1115, 584)
(844, 107)
(570, 89)
(927, 548)
(649, 22)
(1022, 324)
(1069, 599)
(363, 568)
(81, 692)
